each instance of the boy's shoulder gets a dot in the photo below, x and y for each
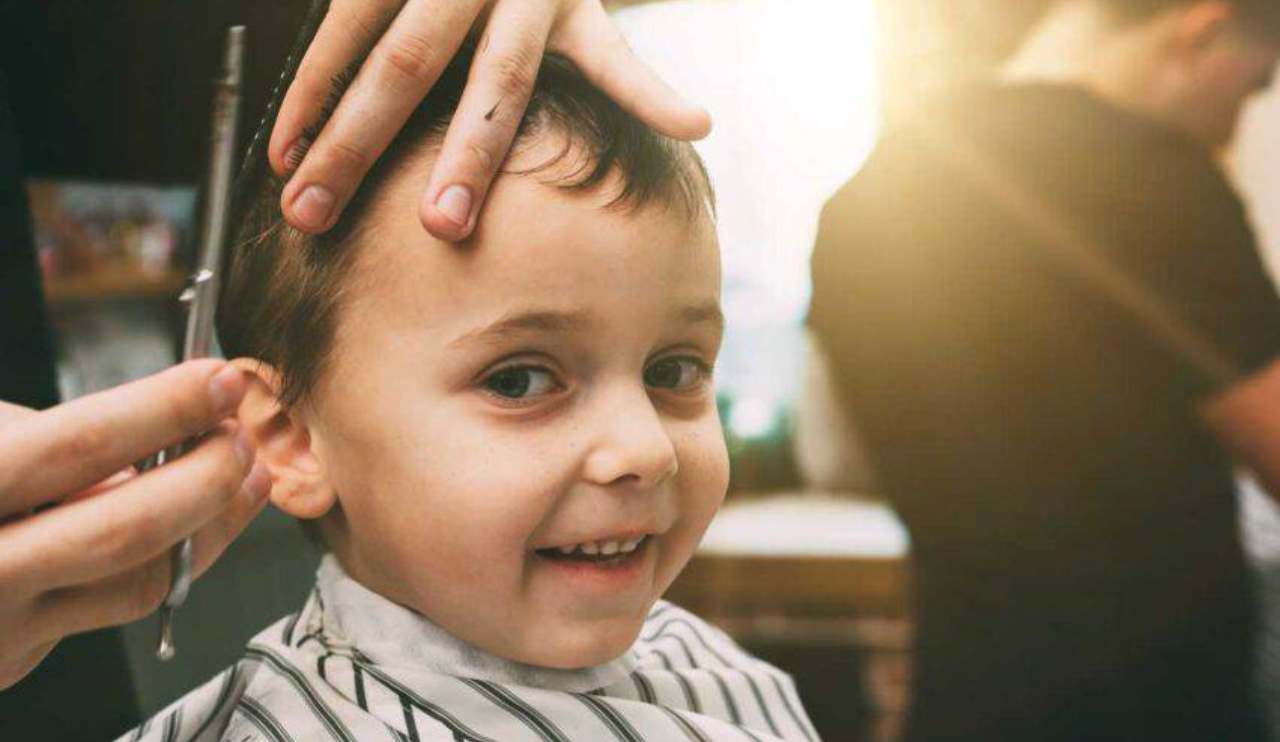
(274, 693)
(687, 679)
(675, 638)
(217, 710)
(687, 666)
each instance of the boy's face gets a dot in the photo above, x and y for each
(545, 386)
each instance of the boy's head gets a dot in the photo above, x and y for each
(458, 417)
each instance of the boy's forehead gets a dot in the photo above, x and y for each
(536, 243)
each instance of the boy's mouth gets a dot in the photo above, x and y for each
(604, 553)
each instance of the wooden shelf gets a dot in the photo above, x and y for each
(747, 587)
(113, 285)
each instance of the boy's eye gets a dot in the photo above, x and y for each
(520, 382)
(679, 374)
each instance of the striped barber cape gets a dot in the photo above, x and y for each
(352, 665)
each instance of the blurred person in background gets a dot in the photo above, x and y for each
(1046, 314)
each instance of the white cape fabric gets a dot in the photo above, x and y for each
(352, 665)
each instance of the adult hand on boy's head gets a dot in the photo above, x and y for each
(84, 540)
(407, 45)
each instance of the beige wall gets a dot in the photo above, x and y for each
(1255, 160)
(927, 43)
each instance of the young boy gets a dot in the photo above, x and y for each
(509, 447)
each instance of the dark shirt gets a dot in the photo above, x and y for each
(83, 690)
(1079, 574)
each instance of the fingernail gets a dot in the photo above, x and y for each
(244, 448)
(297, 151)
(257, 485)
(225, 389)
(455, 203)
(313, 206)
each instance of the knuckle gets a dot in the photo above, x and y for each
(483, 156)
(365, 20)
(91, 437)
(125, 540)
(86, 439)
(342, 157)
(515, 72)
(187, 413)
(310, 81)
(412, 57)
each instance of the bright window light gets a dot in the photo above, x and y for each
(791, 85)
(792, 88)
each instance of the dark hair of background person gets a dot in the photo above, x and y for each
(282, 290)
(1260, 14)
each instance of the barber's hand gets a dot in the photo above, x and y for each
(84, 541)
(408, 45)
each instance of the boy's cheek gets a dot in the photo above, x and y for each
(705, 473)
(711, 487)
(710, 448)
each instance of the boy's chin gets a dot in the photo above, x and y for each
(575, 648)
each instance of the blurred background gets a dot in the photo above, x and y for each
(805, 565)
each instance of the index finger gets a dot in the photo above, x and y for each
(393, 80)
(499, 84)
(51, 455)
(346, 34)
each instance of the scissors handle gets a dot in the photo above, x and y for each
(180, 566)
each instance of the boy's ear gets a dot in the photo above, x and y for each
(299, 486)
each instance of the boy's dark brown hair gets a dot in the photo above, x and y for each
(282, 288)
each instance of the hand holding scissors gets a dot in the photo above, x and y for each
(84, 539)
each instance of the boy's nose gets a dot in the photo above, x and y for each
(632, 447)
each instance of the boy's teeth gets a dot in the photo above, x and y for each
(602, 548)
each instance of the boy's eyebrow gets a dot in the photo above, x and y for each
(707, 313)
(543, 320)
(555, 320)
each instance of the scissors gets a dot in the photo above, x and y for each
(201, 295)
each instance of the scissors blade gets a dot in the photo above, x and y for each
(201, 297)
